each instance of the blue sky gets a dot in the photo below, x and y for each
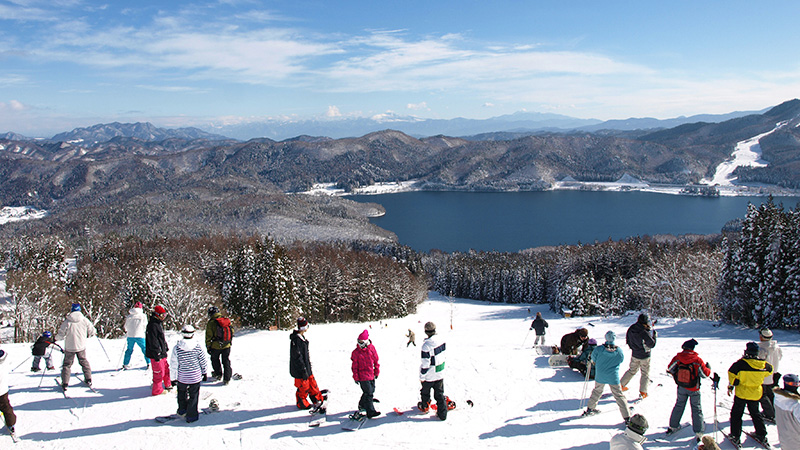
(70, 63)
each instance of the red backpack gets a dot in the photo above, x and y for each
(224, 333)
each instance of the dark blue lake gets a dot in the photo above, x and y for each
(512, 221)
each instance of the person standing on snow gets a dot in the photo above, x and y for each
(412, 338)
(633, 437)
(157, 350)
(431, 372)
(607, 358)
(187, 364)
(539, 324)
(5, 405)
(641, 337)
(135, 327)
(300, 368)
(219, 339)
(771, 352)
(787, 412)
(746, 376)
(688, 368)
(75, 330)
(41, 349)
(366, 369)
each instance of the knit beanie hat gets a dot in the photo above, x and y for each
(592, 341)
(76, 307)
(751, 349)
(611, 337)
(766, 333)
(363, 336)
(430, 326)
(137, 305)
(302, 323)
(689, 345)
(638, 424)
(644, 319)
(160, 310)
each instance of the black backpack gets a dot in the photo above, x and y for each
(685, 375)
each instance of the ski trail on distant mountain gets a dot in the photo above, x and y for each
(746, 154)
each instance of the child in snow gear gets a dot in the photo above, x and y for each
(156, 349)
(135, 327)
(5, 405)
(539, 325)
(572, 342)
(75, 330)
(771, 352)
(641, 337)
(42, 349)
(431, 372)
(580, 362)
(607, 358)
(746, 376)
(708, 443)
(188, 366)
(300, 368)
(633, 437)
(687, 368)
(366, 369)
(412, 338)
(219, 337)
(787, 412)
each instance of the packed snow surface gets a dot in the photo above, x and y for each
(747, 153)
(519, 401)
(18, 213)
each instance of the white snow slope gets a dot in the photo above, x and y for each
(746, 154)
(520, 402)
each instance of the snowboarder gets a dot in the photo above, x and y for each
(5, 405)
(75, 330)
(787, 412)
(539, 324)
(641, 337)
(431, 372)
(300, 368)
(42, 349)
(365, 371)
(771, 352)
(607, 358)
(571, 342)
(219, 338)
(687, 368)
(633, 437)
(187, 364)
(746, 375)
(156, 349)
(135, 327)
(580, 362)
(412, 338)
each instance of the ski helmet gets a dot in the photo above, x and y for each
(76, 307)
(791, 382)
(47, 334)
(212, 310)
(638, 424)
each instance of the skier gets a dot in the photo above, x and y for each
(746, 376)
(688, 368)
(219, 338)
(365, 371)
(571, 342)
(607, 358)
(156, 349)
(787, 412)
(633, 437)
(431, 372)
(641, 337)
(412, 338)
(135, 327)
(300, 368)
(770, 351)
(40, 350)
(75, 330)
(539, 324)
(187, 364)
(5, 405)
(580, 362)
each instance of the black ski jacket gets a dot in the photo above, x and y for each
(539, 325)
(299, 360)
(155, 344)
(640, 340)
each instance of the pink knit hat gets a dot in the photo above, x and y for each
(363, 336)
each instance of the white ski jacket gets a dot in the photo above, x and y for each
(187, 363)
(432, 365)
(75, 330)
(772, 353)
(135, 323)
(787, 417)
(629, 440)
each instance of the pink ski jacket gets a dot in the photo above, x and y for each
(365, 363)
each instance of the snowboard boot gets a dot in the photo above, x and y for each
(424, 407)
(450, 404)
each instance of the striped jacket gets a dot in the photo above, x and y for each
(187, 363)
(432, 366)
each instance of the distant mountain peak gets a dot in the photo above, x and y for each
(145, 131)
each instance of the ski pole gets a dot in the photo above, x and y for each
(526, 338)
(23, 362)
(715, 387)
(103, 347)
(586, 383)
(46, 364)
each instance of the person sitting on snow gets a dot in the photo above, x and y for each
(580, 362)
(572, 342)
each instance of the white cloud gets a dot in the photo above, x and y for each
(333, 111)
(488, 105)
(418, 106)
